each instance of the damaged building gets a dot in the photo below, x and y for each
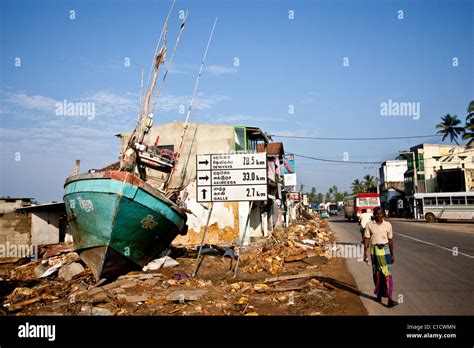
(228, 220)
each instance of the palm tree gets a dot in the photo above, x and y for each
(449, 127)
(333, 191)
(369, 183)
(319, 197)
(327, 197)
(357, 186)
(469, 127)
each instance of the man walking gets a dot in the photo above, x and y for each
(379, 235)
(363, 221)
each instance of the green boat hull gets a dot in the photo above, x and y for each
(118, 222)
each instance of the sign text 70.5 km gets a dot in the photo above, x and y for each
(231, 177)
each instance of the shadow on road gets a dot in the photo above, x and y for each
(345, 287)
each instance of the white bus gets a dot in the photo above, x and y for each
(434, 207)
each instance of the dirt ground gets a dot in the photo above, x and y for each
(286, 274)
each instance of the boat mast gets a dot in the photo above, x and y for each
(129, 156)
(170, 62)
(180, 148)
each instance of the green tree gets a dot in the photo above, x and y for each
(327, 197)
(469, 127)
(333, 192)
(450, 127)
(357, 186)
(369, 184)
(319, 197)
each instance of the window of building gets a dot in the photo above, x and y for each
(470, 199)
(444, 201)
(458, 200)
(252, 145)
(420, 162)
(240, 141)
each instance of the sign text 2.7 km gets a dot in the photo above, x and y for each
(231, 177)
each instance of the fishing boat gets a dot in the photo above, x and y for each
(118, 221)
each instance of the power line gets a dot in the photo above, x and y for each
(351, 139)
(335, 161)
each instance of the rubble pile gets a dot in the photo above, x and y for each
(280, 275)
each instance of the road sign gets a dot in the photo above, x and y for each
(231, 177)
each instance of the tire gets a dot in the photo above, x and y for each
(430, 218)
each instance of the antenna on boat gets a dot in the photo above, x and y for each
(141, 89)
(181, 29)
(180, 148)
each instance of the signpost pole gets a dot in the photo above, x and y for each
(198, 260)
(243, 240)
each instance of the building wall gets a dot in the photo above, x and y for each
(7, 205)
(431, 165)
(394, 170)
(45, 228)
(15, 228)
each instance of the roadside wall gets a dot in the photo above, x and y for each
(15, 228)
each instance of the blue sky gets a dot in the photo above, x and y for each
(282, 62)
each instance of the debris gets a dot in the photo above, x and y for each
(252, 314)
(20, 294)
(68, 271)
(296, 257)
(186, 295)
(162, 262)
(292, 276)
(85, 310)
(57, 249)
(281, 299)
(180, 276)
(329, 286)
(291, 299)
(41, 271)
(302, 246)
(316, 260)
(133, 298)
(211, 249)
(21, 305)
(291, 284)
(101, 311)
(129, 284)
(309, 241)
(261, 287)
(145, 276)
(243, 300)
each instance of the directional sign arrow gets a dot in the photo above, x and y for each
(204, 177)
(206, 162)
(203, 193)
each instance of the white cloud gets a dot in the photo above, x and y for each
(251, 118)
(169, 102)
(108, 104)
(31, 102)
(220, 70)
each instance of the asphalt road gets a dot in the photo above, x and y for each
(429, 278)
